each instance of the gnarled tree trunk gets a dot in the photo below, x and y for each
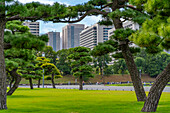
(137, 83)
(156, 90)
(80, 83)
(30, 81)
(17, 79)
(52, 80)
(3, 86)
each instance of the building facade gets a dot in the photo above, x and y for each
(34, 27)
(94, 34)
(71, 35)
(54, 40)
(127, 24)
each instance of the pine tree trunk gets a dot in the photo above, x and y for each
(137, 83)
(81, 83)
(103, 70)
(156, 90)
(30, 81)
(39, 80)
(17, 79)
(3, 86)
(52, 80)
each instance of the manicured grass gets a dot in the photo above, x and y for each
(75, 101)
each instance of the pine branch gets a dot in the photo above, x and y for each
(18, 17)
(82, 17)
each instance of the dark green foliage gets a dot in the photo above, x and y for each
(109, 70)
(122, 34)
(80, 64)
(24, 54)
(97, 2)
(16, 27)
(152, 64)
(102, 49)
(154, 34)
(63, 63)
(102, 61)
(106, 23)
(128, 13)
(119, 67)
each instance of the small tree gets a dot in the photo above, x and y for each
(28, 72)
(53, 70)
(49, 68)
(63, 63)
(80, 64)
(100, 52)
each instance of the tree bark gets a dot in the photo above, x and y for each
(10, 84)
(52, 80)
(81, 83)
(156, 90)
(30, 81)
(137, 83)
(3, 86)
(39, 80)
(17, 79)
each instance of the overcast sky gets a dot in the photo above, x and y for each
(47, 27)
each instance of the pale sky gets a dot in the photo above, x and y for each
(47, 27)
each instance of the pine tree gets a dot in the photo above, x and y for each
(101, 52)
(80, 64)
(13, 10)
(19, 50)
(154, 36)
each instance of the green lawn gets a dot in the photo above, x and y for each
(75, 101)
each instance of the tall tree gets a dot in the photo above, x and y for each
(13, 10)
(81, 67)
(154, 36)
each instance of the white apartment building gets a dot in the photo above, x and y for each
(33, 26)
(94, 34)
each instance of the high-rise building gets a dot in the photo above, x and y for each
(71, 35)
(33, 26)
(54, 40)
(94, 34)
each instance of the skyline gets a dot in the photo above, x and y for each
(46, 27)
